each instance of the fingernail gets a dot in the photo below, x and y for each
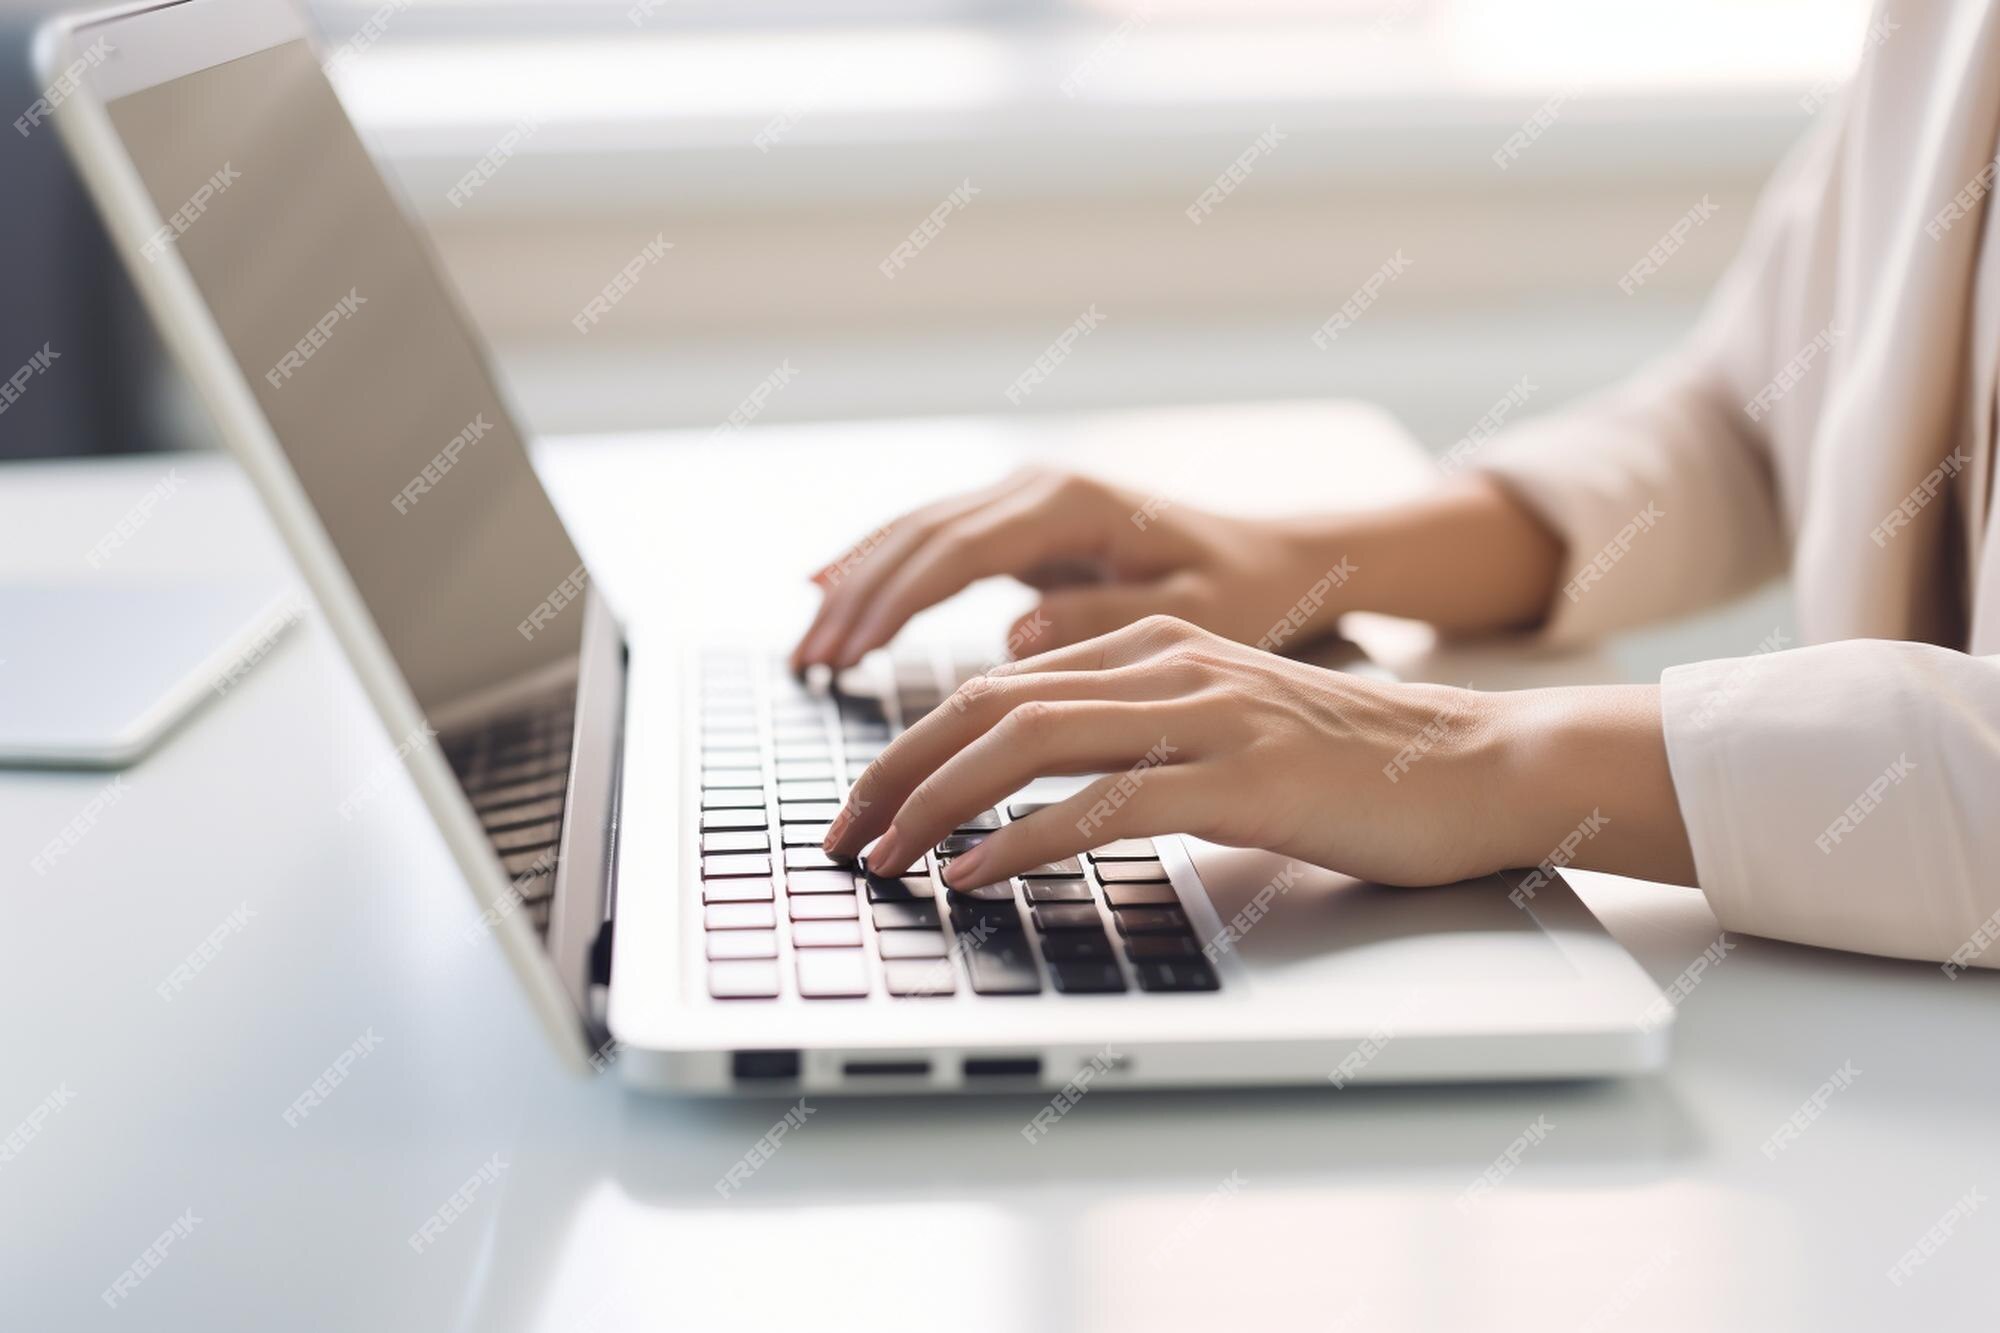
(882, 856)
(963, 871)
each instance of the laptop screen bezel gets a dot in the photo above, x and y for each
(96, 57)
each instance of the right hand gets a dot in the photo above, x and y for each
(1103, 557)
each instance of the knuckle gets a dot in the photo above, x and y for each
(1179, 668)
(979, 694)
(1163, 628)
(1031, 718)
(1076, 486)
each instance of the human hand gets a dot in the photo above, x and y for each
(1103, 556)
(1395, 783)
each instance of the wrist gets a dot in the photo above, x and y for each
(1583, 780)
(1465, 557)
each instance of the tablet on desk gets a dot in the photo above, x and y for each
(92, 674)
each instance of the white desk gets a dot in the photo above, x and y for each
(1649, 1205)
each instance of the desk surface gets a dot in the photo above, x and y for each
(1650, 1203)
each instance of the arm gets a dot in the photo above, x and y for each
(1397, 783)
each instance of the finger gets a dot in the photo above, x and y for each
(973, 710)
(847, 580)
(1072, 615)
(1137, 642)
(1038, 739)
(1009, 536)
(1145, 801)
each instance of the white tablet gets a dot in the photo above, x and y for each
(93, 674)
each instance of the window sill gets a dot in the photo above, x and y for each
(640, 123)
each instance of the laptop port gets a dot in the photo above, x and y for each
(1006, 1066)
(763, 1066)
(887, 1069)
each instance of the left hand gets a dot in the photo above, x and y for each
(1389, 782)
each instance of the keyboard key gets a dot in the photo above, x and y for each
(729, 758)
(808, 812)
(910, 944)
(1151, 921)
(1067, 868)
(729, 738)
(907, 888)
(735, 863)
(1141, 948)
(742, 944)
(916, 977)
(812, 858)
(905, 916)
(536, 860)
(515, 793)
(824, 907)
(751, 841)
(1075, 944)
(1022, 809)
(536, 887)
(1082, 977)
(736, 891)
(794, 771)
(531, 835)
(1126, 849)
(819, 881)
(803, 752)
(1140, 895)
(519, 816)
(804, 835)
(1132, 872)
(732, 777)
(732, 798)
(555, 766)
(739, 916)
(972, 916)
(984, 822)
(743, 979)
(957, 844)
(713, 821)
(1067, 916)
(1057, 891)
(1176, 974)
(811, 791)
(1003, 964)
(1002, 892)
(863, 752)
(831, 974)
(826, 934)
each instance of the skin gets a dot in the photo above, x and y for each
(1145, 670)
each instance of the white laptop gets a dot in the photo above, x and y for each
(637, 814)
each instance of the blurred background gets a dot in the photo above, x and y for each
(785, 147)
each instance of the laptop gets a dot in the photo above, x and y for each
(637, 813)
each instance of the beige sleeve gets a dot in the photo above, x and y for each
(1662, 487)
(1843, 795)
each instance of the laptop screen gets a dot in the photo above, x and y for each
(334, 308)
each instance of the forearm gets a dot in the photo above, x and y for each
(1468, 558)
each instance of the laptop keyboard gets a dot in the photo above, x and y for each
(514, 769)
(782, 917)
